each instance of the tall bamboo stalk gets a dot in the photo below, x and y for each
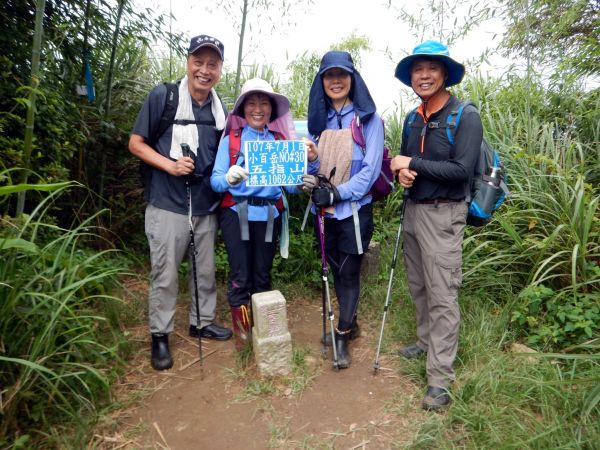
(529, 73)
(86, 32)
(240, 48)
(107, 106)
(33, 83)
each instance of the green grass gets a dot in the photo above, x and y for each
(60, 352)
(500, 399)
(504, 402)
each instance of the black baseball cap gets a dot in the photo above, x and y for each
(205, 40)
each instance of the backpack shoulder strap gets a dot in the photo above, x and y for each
(235, 142)
(169, 110)
(358, 135)
(452, 123)
(453, 120)
(278, 135)
(408, 123)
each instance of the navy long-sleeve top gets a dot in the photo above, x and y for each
(443, 170)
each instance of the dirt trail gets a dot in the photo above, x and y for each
(226, 405)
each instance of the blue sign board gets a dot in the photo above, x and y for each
(275, 163)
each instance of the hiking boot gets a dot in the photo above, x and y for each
(161, 356)
(354, 334)
(343, 353)
(411, 351)
(242, 325)
(211, 331)
(436, 399)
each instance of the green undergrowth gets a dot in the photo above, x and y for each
(500, 399)
(60, 325)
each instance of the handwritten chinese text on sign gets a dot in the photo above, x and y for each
(275, 163)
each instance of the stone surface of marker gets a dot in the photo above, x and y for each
(271, 339)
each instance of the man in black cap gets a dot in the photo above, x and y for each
(178, 185)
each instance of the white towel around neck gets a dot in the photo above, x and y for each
(186, 134)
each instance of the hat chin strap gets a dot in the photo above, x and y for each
(440, 91)
(338, 112)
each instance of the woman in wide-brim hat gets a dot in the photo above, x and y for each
(339, 96)
(251, 216)
(437, 176)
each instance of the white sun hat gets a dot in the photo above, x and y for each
(281, 105)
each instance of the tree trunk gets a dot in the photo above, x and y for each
(109, 78)
(34, 83)
(240, 49)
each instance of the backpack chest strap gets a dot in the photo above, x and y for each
(193, 122)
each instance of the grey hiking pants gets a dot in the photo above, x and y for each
(169, 239)
(433, 235)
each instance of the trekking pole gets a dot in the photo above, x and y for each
(325, 287)
(324, 347)
(389, 288)
(323, 316)
(187, 152)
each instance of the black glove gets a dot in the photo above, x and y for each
(325, 196)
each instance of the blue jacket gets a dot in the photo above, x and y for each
(219, 184)
(365, 167)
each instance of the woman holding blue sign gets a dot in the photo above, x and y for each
(251, 208)
(347, 171)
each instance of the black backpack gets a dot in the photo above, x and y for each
(488, 188)
(167, 120)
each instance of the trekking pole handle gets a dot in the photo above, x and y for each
(186, 150)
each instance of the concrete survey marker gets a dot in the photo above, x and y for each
(271, 339)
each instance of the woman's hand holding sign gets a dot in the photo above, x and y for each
(311, 149)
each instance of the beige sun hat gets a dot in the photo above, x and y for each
(281, 104)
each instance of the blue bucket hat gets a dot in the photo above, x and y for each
(317, 100)
(431, 50)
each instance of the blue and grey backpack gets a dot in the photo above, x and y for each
(488, 188)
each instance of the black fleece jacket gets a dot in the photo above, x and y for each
(443, 170)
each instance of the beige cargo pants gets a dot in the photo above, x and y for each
(433, 235)
(169, 239)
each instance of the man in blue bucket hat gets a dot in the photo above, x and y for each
(437, 176)
(432, 50)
